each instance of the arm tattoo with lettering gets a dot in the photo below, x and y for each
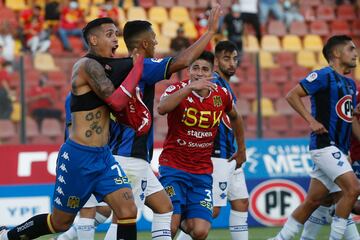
(128, 196)
(98, 81)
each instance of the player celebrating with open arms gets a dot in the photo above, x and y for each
(195, 108)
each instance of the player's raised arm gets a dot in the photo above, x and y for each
(186, 57)
(103, 87)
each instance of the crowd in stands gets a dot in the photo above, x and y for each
(287, 34)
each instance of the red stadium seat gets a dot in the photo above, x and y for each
(339, 27)
(8, 130)
(285, 59)
(187, 3)
(326, 13)
(278, 123)
(251, 123)
(51, 128)
(32, 129)
(297, 73)
(278, 75)
(243, 106)
(356, 27)
(319, 27)
(308, 13)
(165, 3)
(346, 12)
(310, 3)
(270, 90)
(203, 4)
(298, 28)
(282, 107)
(297, 123)
(247, 90)
(147, 3)
(276, 28)
(287, 87)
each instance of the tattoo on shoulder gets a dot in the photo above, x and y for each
(97, 78)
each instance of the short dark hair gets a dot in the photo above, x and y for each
(207, 56)
(132, 29)
(93, 25)
(226, 46)
(333, 42)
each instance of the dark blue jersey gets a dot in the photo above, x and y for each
(333, 98)
(123, 141)
(67, 115)
(224, 145)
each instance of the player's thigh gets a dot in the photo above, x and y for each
(221, 180)
(60, 220)
(122, 203)
(159, 202)
(348, 182)
(317, 191)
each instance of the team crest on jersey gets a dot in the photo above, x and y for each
(170, 191)
(337, 155)
(344, 108)
(217, 101)
(157, 60)
(312, 76)
(222, 185)
(143, 184)
(73, 202)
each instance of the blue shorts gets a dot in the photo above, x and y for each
(190, 194)
(82, 171)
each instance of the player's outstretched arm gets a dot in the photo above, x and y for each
(187, 56)
(294, 99)
(237, 125)
(103, 87)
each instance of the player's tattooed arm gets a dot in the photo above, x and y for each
(97, 79)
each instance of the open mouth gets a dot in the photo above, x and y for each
(113, 50)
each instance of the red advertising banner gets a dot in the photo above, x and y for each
(27, 164)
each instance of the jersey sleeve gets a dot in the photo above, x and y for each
(314, 82)
(155, 70)
(229, 100)
(170, 90)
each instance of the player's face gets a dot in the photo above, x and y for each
(150, 43)
(107, 40)
(349, 55)
(200, 69)
(227, 62)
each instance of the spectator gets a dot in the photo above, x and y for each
(7, 42)
(41, 102)
(71, 21)
(5, 94)
(201, 28)
(109, 9)
(249, 14)
(52, 10)
(32, 24)
(291, 12)
(270, 6)
(233, 27)
(178, 44)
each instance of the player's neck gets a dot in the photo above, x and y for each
(203, 93)
(224, 76)
(339, 68)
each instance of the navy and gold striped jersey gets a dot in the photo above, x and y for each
(333, 98)
(224, 145)
(123, 141)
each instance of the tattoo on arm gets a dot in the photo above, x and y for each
(97, 79)
(128, 196)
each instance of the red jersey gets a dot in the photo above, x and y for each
(192, 128)
(355, 144)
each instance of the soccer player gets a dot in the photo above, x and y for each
(333, 97)
(322, 215)
(228, 183)
(195, 108)
(135, 152)
(85, 164)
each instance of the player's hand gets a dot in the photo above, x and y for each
(239, 156)
(202, 84)
(213, 21)
(317, 127)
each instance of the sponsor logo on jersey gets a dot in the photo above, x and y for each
(203, 119)
(311, 77)
(217, 101)
(272, 201)
(181, 142)
(344, 108)
(73, 202)
(199, 134)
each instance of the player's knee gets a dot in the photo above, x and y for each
(199, 233)
(62, 226)
(312, 202)
(127, 211)
(353, 192)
